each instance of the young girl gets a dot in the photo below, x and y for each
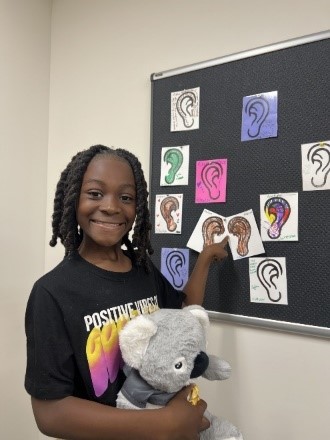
(75, 311)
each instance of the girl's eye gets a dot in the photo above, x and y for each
(127, 199)
(95, 194)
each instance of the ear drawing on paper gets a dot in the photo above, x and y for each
(211, 175)
(212, 226)
(208, 230)
(185, 109)
(175, 158)
(244, 237)
(320, 154)
(168, 205)
(277, 211)
(279, 217)
(257, 108)
(175, 266)
(269, 272)
(268, 282)
(241, 228)
(175, 261)
(185, 106)
(259, 116)
(174, 166)
(211, 181)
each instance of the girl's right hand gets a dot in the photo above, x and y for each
(185, 419)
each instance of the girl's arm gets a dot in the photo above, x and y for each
(195, 287)
(72, 418)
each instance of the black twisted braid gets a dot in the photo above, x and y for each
(64, 223)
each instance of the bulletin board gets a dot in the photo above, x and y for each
(298, 70)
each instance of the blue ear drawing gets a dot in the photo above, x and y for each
(258, 109)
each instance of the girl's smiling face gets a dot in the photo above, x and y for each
(107, 203)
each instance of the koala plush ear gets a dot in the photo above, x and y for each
(201, 314)
(134, 339)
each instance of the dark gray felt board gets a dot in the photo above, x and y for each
(300, 75)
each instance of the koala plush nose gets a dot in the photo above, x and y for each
(200, 365)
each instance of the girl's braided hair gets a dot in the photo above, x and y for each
(64, 222)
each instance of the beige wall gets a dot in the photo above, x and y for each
(24, 95)
(102, 55)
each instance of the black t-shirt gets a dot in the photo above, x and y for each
(72, 321)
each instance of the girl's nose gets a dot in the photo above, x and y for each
(110, 205)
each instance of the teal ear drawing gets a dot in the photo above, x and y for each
(174, 157)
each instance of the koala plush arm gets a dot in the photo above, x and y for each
(218, 369)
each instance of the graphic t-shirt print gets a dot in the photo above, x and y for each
(102, 346)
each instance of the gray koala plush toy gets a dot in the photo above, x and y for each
(165, 351)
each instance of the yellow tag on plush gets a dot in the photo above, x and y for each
(193, 397)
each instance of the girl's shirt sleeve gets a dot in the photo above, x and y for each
(50, 364)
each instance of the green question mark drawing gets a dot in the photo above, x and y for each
(175, 158)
